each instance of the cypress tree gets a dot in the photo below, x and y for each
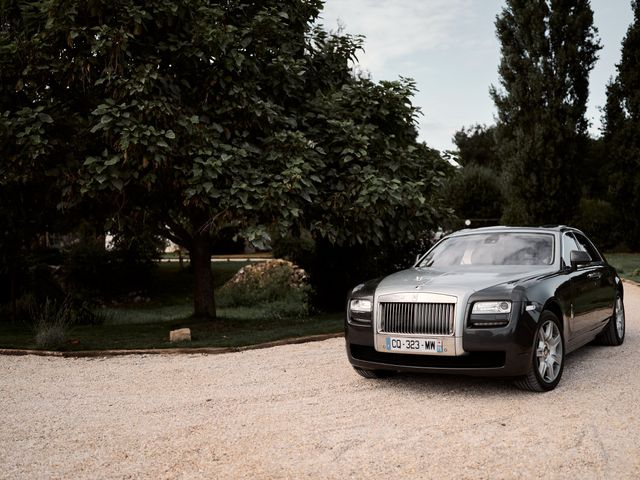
(621, 125)
(548, 49)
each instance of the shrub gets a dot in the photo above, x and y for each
(139, 249)
(88, 268)
(51, 322)
(278, 285)
(300, 250)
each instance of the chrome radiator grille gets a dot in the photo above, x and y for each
(418, 318)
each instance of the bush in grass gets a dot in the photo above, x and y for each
(278, 285)
(51, 322)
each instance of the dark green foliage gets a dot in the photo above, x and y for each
(40, 280)
(597, 218)
(227, 242)
(477, 146)
(334, 270)
(620, 133)
(595, 169)
(475, 193)
(209, 118)
(300, 249)
(337, 269)
(138, 247)
(90, 271)
(548, 49)
(376, 182)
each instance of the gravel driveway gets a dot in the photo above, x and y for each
(300, 411)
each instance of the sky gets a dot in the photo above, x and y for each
(450, 49)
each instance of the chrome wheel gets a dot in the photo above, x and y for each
(619, 317)
(547, 359)
(549, 351)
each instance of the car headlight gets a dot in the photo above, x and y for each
(492, 307)
(360, 305)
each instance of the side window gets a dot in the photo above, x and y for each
(587, 246)
(568, 244)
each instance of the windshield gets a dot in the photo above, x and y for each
(492, 249)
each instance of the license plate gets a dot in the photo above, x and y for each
(413, 345)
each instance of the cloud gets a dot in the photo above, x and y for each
(400, 30)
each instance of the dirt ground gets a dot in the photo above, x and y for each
(299, 411)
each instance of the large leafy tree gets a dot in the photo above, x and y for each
(548, 49)
(205, 116)
(620, 132)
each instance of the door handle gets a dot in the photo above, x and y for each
(594, 275)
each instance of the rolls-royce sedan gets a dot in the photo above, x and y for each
(496, 301)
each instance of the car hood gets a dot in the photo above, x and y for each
(456, 280)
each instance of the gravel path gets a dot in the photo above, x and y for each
(300, 411)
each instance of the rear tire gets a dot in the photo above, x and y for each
(374, 373)
(547, 359)
(613, 333)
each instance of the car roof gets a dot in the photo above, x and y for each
(508, 228)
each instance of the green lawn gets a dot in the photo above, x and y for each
(166, 304)
(224, 332)
(627, 264)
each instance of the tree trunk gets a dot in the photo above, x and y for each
(200, 255)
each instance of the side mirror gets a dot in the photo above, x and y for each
(579, 257)
(417, 258)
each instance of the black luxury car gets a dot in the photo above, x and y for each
(500, 301)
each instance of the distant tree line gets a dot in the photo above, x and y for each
(537, 164)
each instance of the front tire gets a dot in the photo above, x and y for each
(613, 333)
(374, 373)
(547, 362)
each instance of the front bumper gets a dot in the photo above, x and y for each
(503, 352)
